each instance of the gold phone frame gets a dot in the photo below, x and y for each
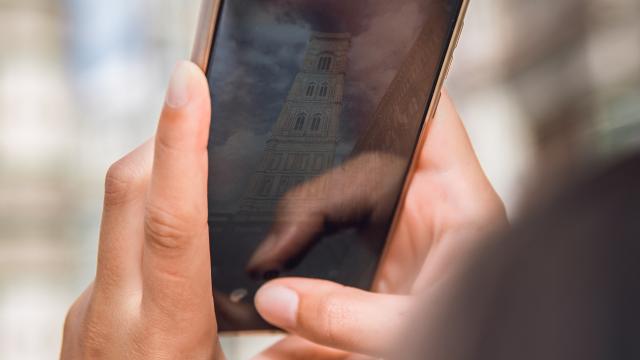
(205, 34)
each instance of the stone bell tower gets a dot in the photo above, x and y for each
(304, 138)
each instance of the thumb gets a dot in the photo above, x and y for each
(333, 315)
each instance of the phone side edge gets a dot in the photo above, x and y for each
(205, 32)
(431, 111)
(201, 53)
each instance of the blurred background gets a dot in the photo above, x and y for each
(544, 86)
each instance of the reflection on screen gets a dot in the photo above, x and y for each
(317, 109)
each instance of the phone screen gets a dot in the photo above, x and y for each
(317, 111)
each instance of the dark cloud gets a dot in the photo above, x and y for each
(259, 51)
(326, 16)
(353, 16)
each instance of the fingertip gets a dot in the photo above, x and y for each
(199, 80)
(278, 304)
(185, 120)
(187, 82)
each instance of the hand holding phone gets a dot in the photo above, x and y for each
(449, 207)
(318, 113)
(151, 297)
(104, 316)
(440, 195)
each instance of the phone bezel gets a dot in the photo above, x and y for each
(205, 34)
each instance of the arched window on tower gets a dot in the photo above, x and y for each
(324, 63)
(324, 89)
(317, 121)
(311, 89)
(302, 117)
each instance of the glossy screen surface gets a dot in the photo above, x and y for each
(317, 111)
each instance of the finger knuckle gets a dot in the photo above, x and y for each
(165, 143)
(121, 182)
(77, 311)
(71, 319)
(84, 329)
(94, 339)
(333, 314)
(168, 229)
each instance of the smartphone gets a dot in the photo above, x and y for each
(319, 110)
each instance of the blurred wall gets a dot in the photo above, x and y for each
(81, 83)
(542, 85)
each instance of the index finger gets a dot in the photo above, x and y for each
(176, 250)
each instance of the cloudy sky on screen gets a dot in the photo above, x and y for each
(259, 50)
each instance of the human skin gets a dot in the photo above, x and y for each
(450, 205)
(152, 294)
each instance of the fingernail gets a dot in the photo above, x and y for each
(178, 93)
(278, 305)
